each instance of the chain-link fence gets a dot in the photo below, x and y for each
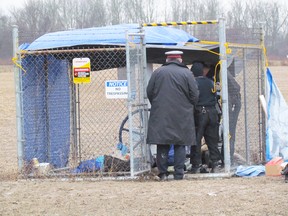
(245, 78)
(246, 117)
(98, 128)
(74, 129)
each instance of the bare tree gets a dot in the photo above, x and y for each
(176, 8)
(38, 17)
(68, 10)
(30, 18)
(89, 13)
(236, 17)
(150, 11)
(5, 38)
(116, 11)
(134, 11)
(196, 10)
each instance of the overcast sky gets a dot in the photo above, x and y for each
(7, 4)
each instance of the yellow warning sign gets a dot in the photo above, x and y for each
(81, 70)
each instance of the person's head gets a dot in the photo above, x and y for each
(174, 55)
(200, 68)
(206, 68)
(197, 69)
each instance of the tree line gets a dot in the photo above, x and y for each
(243, 19)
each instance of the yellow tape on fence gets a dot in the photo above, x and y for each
(200, 47)
(265, 56)
(14, 60)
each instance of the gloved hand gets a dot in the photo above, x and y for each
(122, 148)
(218, 86)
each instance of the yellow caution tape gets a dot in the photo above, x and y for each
(181, 23)
(14, 60)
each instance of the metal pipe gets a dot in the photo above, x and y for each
(47, 114)
(129, 102)
(18, 92)
(144, 99)
(224, 92)
(74, 118)
(205, 22)
(264, 87)
(36, 52)
(208, 175)
(79, 123)
(245, 110)
(260, 114)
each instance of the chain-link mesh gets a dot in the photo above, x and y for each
(76, 129)
(246, 120)
(247, 128)
(72, 128)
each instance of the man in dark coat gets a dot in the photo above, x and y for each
(172, 92)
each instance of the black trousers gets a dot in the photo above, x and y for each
(206, 122)
(179, 160)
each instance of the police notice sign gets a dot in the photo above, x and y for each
(116, 89)
(81, 70)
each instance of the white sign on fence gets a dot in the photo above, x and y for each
(116, 89)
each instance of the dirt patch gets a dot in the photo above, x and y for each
(234, 196)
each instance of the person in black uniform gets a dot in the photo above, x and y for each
(206, 120)
(172, 91)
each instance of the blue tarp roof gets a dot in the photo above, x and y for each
(110, 35)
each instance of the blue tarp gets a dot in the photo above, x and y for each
(90, 165)
(277, 121)
(46, 109)
(250, 171)
(110, 35)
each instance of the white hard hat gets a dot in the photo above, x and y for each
(174, 54)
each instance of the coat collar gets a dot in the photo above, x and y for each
(176, 63)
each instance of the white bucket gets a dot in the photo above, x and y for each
(44, 168)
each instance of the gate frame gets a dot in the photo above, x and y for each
(143, 100)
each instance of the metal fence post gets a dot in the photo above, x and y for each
(223, 58)
(245, 108)
(129, 101)
(263, 84)
(143, 97)
(18, 92)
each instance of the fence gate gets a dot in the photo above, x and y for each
(137, 105)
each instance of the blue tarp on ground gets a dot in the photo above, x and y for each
(250, 171)
(277, 121)
(91, 165)
(110, 35)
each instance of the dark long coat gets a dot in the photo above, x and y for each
(172, 92)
